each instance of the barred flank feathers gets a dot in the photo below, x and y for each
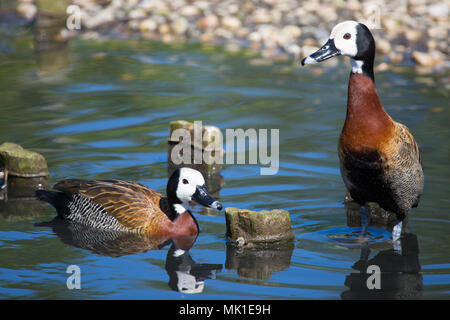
(85, 211)
(113, 205)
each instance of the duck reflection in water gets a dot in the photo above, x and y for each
(399, 276)
(185, 274)
(398, 261)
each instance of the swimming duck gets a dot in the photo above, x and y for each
(379, 159)
(128, 206)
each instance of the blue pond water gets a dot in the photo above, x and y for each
(102, 111)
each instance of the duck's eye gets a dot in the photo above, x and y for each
(347, 36)
(185, 181)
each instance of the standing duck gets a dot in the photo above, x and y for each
(379, 159)
(132, 207)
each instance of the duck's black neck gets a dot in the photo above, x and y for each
(176, 207)
(362, 62)
(364, 67)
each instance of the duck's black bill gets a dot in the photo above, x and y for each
(327, 51)
(202, 197)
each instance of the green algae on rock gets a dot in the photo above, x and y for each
(21, 162)
(22, 171)
(258, 227)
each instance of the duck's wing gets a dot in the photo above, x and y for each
(409, 159)
(157, 198)
(137, 187)
(408, 149)
(128, 203)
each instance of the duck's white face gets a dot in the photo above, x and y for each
(344, 36)
(352, 39)
(342, 41)
(187, 183)
(190, 186)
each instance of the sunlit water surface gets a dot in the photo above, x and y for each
(102, 110)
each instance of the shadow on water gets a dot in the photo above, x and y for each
(185, 275)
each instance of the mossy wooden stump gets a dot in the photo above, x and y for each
(195, 144)
(22, 171)
(259, 228)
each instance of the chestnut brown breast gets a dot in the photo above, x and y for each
(367, 125)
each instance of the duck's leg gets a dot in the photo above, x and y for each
(396, 234)
(365, 219)
(397, 231)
